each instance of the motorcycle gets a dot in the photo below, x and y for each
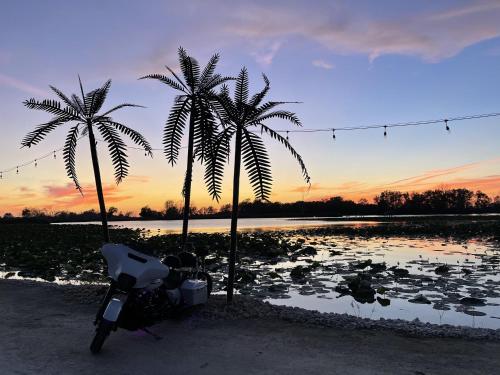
(144, 290)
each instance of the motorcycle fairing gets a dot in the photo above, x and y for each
(123, 259)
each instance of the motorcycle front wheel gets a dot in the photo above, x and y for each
(102, 332)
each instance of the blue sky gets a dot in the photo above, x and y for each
(350, 63)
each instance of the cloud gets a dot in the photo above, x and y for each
(67, 197)
(323, 64)
(265, 55)
(432, 36)
(20, 85)
(449, 178)
(306, 188)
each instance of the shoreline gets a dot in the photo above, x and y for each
(245, 307)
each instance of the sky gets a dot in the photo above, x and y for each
(348, 63)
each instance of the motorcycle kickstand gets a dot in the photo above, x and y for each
(155, 336)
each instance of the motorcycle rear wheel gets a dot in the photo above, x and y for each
(101, 334)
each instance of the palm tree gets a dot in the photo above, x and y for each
(83, 113)
(242, 118)
(196, 100)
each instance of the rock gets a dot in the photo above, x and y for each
(472, 301)
(420, 298)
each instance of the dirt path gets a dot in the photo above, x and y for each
(43, 333)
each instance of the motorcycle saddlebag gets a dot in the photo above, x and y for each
(194, 292)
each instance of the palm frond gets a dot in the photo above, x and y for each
(37, 135)
(135, 136)
(205, 130)
(224, 105)
(257, 164)
(172, 133)
(64, 98)
(289, 147)
(69, 155)
(95, 99)
(216, 81)
(257, 98)
(53, 107)
(284, 115)
(177, 77)
(209, 69)
(120, 107)
(190, 69)
(77, 102)
(84, 108)
(117, 150)
(166, 80)
(214, 166)
(241, 90)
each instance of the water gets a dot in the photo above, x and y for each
(474, 271)
(419, 256)
(223, 225)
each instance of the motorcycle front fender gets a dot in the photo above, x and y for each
(114, 309)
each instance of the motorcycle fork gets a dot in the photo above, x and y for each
(105, 301)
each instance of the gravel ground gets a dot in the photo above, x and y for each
(245, 307)
(46, 329)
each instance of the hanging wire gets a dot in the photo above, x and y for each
(394, 125)
(333, 130)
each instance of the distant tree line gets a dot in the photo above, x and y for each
(439, 201)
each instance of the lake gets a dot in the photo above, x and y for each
(473, 270)
(223, 225)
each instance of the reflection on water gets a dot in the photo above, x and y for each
(473, 272)
(223, 225)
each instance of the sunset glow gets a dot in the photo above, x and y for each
(348, 63)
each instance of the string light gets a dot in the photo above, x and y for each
(395, 125)
(333, 130)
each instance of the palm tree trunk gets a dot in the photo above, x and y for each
(189, 176)
(234, 215)
(98, 183)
